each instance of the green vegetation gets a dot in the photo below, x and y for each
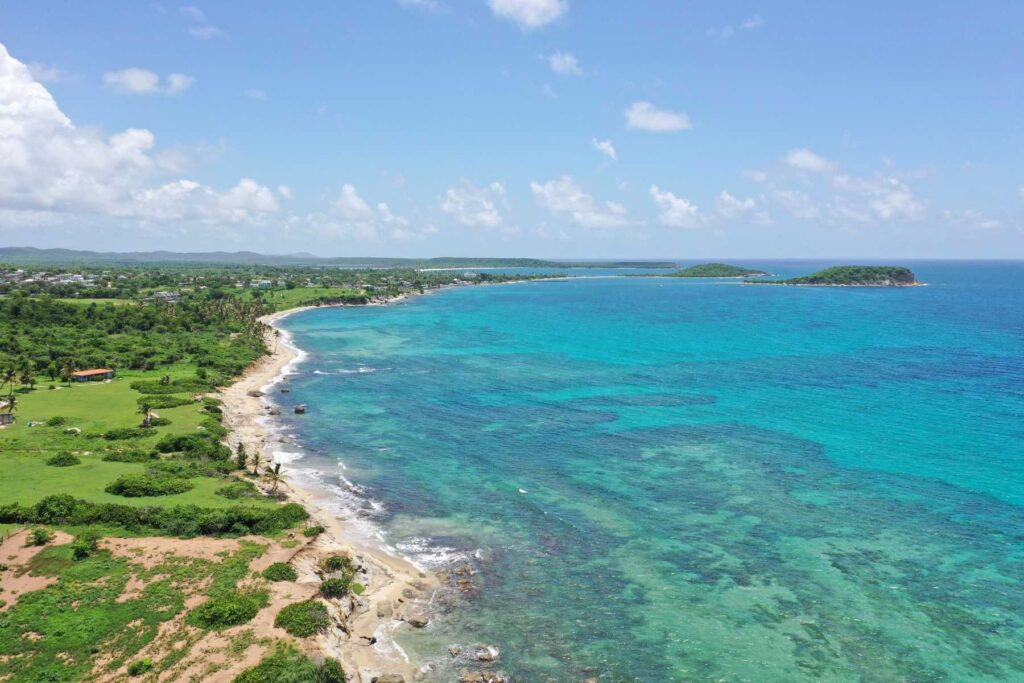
(303, 619)
(717, 270)
(228, 609)
(63, 459)
(140, 485)
(337, 563)
(140, 666)
(313, 531)
(334, 588)
(39, 536)
(857, 276)
(280, 571)
(285, 664)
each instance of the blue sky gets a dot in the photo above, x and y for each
(556, 128)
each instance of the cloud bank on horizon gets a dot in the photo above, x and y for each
(594, 168)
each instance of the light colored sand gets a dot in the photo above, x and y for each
(16, 555)
(388, 576)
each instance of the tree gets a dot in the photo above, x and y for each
(241, 456)
(277, 336)
(12, 403)
(145, 409)
(255, 460)
(273, 476)
(9, 376)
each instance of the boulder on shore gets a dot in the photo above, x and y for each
(300, 409)
(254, 393)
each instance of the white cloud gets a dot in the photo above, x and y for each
(548, 91)
(756, 175)
(284, 191)
(475, 206)
(256, 94)
(796, 203)
(674, 211)
(728, 206)
(144, 82)
(565, 196)
(1020, 191)
(887, 197)
(605, 147)
(205, 32)
(45, 73)
(645, 116)
(358, 218)
(565, 64)
(751, 23)
(529, 14)
(192, 13)
(972, 219)
(804, 159)
(48, 166)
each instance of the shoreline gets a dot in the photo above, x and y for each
(397, 591)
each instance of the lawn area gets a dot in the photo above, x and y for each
(98, 302)
(283, 299)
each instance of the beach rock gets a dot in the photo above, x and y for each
(273, 411)
(484, 677)
(487, 653)
(385, 609)
(254, 393)
(300, 409)
(410, 594)
(286, 391)
(389, 678)
(417, 617)
(455, 650)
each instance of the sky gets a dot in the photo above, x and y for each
(542, 128)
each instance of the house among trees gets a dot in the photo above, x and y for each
(94, 374)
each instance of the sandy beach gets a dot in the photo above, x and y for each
(397, 592)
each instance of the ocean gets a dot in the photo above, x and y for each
(675, 480)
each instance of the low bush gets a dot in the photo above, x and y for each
(173, 387)
(130, 456)
(85, 544)
(280, 571)
(179, 520)
(140, 666)
(159, 422)
(286, 664)
(303, 619)
(230, 609)
(63, 459)
(158, 401)
(337, 563)
(39, 536)
(313, 531)
(57, 421)
(141, 485)
(334, 588)
(127, 433)
(194, 446)
(237, 490)
(186, 469)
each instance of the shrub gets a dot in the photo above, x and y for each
(303, 619)
(130, 456)
(140, 485)
(280, 571)
(127, 433)
(334, 588)
(230, 609)
(39, 536)
(159, 422)
(159, 401)
(313, 531)
(287, 665)
(186, 469)
(56, 421)
(140, 666)
(238, 489)
(63, 459)
(337, 563)
(85, 544)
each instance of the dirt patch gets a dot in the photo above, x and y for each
(16, 579)
(154, 550)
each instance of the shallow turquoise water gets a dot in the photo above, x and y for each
(667, 480)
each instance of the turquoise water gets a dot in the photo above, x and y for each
(669, 480)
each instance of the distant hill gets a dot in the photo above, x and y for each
(853, 276)
(717, 270)
(34, 256)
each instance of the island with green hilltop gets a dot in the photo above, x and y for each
(852, 276)
(717, 270)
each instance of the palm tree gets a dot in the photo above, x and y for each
(277, 336)
(12, 403)
(10, 374)
(69, 369)
(274, 476)
(255, 460)
(241, 456)
(146, 409)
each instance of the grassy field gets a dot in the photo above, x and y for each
(98, 302)
(94, 408)
(290, 298)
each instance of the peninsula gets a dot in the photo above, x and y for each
(852, 276)
(718, 270)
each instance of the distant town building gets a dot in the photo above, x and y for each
(167, 297)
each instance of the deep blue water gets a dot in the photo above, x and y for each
(663, 479)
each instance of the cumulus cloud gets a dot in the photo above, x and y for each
(475, 206)
(674, 211)
(358, 217)
(804, 159)
(137, 81)
(971, 219)
(45, 73)
(645, 116)
(796, 203)
(565, 64)
(565, 197)
(606, 148)
(49, 166)
(529, 14)
(751, 23)
(201, 28)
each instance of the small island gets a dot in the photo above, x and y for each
(717, 270)
(852, 276)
